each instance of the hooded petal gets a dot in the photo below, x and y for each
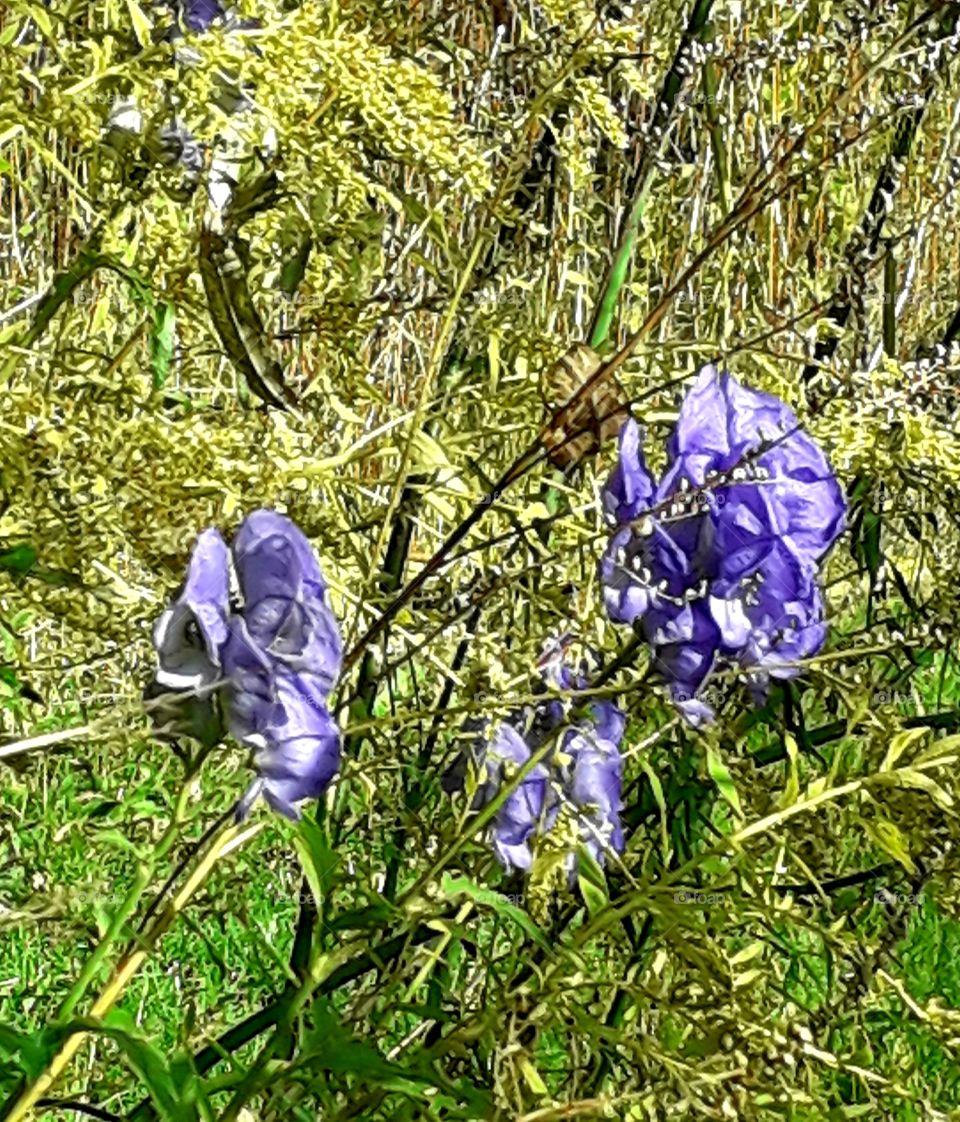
(297, 747)
(284, 597)
(302, 635)
(274, 558)
(608, 721)
(792, 493)
(190, 634)
(629, 490)
(720, 421)
(701, 439)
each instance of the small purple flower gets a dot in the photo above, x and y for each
(519, 817)
(594, 789)
(585, 773)
(199, 14)
(608, 720)
(719, 559)
(275, 659)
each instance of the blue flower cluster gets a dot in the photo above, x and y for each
(274, 659)
(718, 561)
(584, 772)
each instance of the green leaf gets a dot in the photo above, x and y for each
(593, 883)
(142, 27)
(453, 887)
(330, 1047)
(292, 272)
(359, 919)
(161, 342)
(886, 835)
(19, 559)
(721, 776)
(57, 578)
(12, 1041)
(151, 1065)
(319, 861)
(871, 541)
(173, 1086)
(35, 1050)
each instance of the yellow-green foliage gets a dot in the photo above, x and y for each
(455, 255)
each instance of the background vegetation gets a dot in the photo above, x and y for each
(434, 204)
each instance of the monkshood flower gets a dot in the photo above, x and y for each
(719, 559)
(273, 657)
(594, 787)
(583, 772)
(520, 816)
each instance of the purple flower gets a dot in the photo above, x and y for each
(719, 559)
(199, 14)
(606, 720)
(519, 817)
(275, 659)
(594, 789)
(585, 773)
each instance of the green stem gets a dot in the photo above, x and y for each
(717, 138)
(92, 965)
(639, 190)
(890, 302)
